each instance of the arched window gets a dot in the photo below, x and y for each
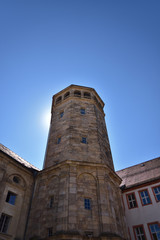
(87, 95)
(58, 100)
(66, 95)
(77, 93)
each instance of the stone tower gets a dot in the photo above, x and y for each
(77, 194)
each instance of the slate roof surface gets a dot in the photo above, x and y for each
(140, 173)
(17, 158)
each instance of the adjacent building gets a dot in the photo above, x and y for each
(141, 197)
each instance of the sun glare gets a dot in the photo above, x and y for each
(46, 117)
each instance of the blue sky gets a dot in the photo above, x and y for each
(110, 45)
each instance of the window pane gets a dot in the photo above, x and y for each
(87, 203)
(11, 198)
(61, 114)
(4, 223)
(84, 140)
(83, 111)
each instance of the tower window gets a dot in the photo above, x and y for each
(77, 93)
(84, 140)
(87, 203)
(87, 95)
(4, 222)
(51, 202)
(11, 198)
(58, 100)
(50, 232)
(66, 95)
(61, 114)
(59, 140)
(83, 111)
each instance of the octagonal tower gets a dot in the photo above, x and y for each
(77, 194)
(78, 130)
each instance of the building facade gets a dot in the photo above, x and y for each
(77, 195)
(141, 198)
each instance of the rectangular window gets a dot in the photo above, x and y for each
(156, 191)
(11, 198)
(51, 202)
(59, 140)
(87, 203)
(84, 140)
(131, 199)
(139, 232)
(50, 232)
(145, 198)
(83, 112)
(4, 222)
(154, 229)
(61, 114)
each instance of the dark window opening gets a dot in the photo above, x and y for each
(77, 93)
(59, 140)
(84, 140)
(11, 198)
(4, 223)
(87, 203)
(83, 111)
(50, 232)
(51, 202)
(87, 95)
(58, 100)
(16, 179)
(66, 95)
(61, 114)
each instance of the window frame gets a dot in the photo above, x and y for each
(9, 196)
(135, 234)
(3, 223)
(152, 223)
(59, 139)
(58, 100)
(82, 111)
(51, 201)
(84, 140)
(50, 232)
(143, 190)
(155, 194)
(87, 203)
(129, 202)
(61, 114)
